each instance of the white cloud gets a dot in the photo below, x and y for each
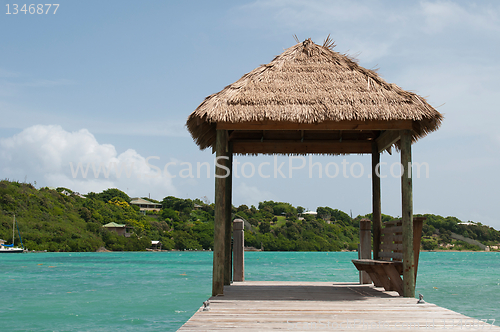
(245, 194)
(439, 15)
(442, 15)
(55, 157)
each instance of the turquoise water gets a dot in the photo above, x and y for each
(153, 291)
(465, 282)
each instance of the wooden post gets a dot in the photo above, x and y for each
(418, 224)
(228, 223)
(376, 201)
(407, 216)
(220, 215)
(239, 249)
(365, 248)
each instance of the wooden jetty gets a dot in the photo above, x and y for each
(323, 306)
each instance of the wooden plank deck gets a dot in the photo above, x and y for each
(322, 306)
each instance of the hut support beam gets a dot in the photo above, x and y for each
(387, 139)
(228, 221)
(220, 215)
(407, 216)
(376, 200)
(324, 125)
(297, 146)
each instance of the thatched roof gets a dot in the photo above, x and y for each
(310, 84)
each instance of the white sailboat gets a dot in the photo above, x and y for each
(9, 248)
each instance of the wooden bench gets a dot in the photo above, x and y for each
(387, 270)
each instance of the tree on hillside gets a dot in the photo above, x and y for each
(277, 208)
(324, 213)
(169, 214)
(242, 207)
(265, 227)
(109, 194)
(177, 204)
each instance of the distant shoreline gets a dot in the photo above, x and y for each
(258, 250)
(454, 250)
(176, 250)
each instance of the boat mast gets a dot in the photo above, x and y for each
(13, 226)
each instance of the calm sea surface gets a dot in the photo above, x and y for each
(159, 291)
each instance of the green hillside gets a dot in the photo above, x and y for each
(57, 220)
(49, 220)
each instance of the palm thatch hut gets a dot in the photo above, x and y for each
(309, 99)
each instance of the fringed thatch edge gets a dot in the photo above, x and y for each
(203, 130)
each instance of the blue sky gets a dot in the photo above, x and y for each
(114, 81)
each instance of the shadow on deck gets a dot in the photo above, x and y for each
(288, 291)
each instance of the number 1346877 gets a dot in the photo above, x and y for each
(32, 9)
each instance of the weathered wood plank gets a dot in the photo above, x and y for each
(228, 213)
(396, 282)
(220, 215)
(326, 125)
(277, 146)
(407, 215)
(391, 246)
(376, 200)
(393, 223)
(321, 306)
(374, 277)
(394, 238)
(365, 246)
(392, 230)
(382, 276)
(418, 224)
(394, 255)
(239, 250)
(387, 139)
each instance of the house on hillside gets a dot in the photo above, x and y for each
(67, 193)
(156, 245)
(312, 213)
(120, 229)
(145, 205)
